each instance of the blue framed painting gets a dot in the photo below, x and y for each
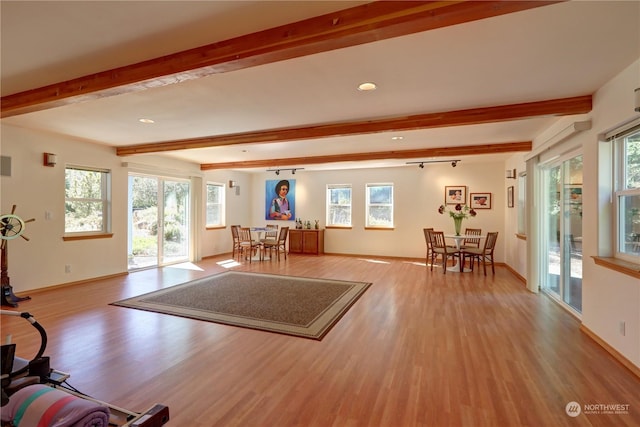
(280, 199)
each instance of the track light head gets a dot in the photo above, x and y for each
(278, 172)
(421, 165)
(293, 171)
(454, 163)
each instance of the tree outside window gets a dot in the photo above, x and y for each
(379, 205)
(627, 194)
(339, 205)
(215, 205)
(86, 200)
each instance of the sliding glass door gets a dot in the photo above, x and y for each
(562, 238)
(158, 221)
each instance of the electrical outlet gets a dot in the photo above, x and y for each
(622, 326)
(67, 268)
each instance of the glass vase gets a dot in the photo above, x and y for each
(457, 222)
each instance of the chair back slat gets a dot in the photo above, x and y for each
(244, 233)
(490, 244)
(272, 232)
(437, 240)
(426, 236)
(284, 232)
(472, 241)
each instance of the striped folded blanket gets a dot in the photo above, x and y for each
(39, 405)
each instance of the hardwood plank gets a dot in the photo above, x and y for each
(418, 348)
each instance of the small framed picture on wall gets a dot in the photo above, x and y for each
(510, 196)
(455, 194)
(480, 200)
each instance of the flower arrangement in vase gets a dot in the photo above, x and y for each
(458, 213)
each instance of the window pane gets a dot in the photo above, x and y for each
(379, 205)
(340, 196)
(86, 200)
(380, 215)
(83, 216)
(380, 194)
(632, 161)
(215, 205)
(340, 215)
(339, 205)
(83, 184)
(629, 220)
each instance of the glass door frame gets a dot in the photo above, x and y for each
(160, 221)
(568, 253)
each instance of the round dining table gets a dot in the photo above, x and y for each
(458, 239)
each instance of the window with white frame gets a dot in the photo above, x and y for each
(627, 193)
(379, 205)
(87, 200)
(215, 205)
(339, 205)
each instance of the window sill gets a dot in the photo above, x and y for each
(380, 228)
(87, 237)
(624, 267)
(215, 227)
(339, 227)
(521, 236)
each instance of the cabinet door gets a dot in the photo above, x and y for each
(310, 242)
(295, 241)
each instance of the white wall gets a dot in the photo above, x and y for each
(516, 249)
(417, 195)
(608, 297)
(38, 190)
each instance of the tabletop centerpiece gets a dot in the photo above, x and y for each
(458, 213)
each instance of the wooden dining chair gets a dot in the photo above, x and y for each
(271, 233)
(278, 244)
(439, 247)
(472, 242)
(248, 245)
(235, 238)
(428, 242)
(485, 253)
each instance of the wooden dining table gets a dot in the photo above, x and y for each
(458, 239)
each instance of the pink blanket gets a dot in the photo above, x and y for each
(39, 405)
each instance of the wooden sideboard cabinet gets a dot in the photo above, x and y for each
(306, 241)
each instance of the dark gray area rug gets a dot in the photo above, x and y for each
(299, 306)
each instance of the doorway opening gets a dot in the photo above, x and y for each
(159, 225)
(561, 245)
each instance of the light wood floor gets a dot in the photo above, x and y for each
(419, 348)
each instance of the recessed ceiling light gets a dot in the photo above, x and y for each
(368, 86)
(146, 121)
(397, 138)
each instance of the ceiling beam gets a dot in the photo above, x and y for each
(350, 27)
(509, 147)
(474, 116)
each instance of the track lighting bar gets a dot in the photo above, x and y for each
(454, 162)
(277, 171)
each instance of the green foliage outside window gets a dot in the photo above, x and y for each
(86, 200)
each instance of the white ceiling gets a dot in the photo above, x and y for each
(556, 51)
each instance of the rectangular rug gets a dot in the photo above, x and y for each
(299, 306)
